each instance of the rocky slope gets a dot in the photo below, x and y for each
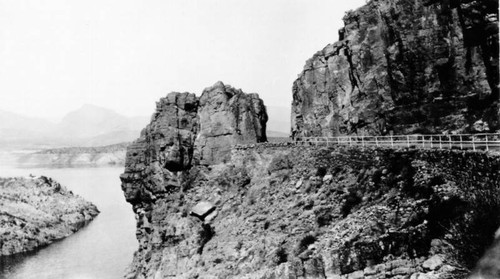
(76, 156)
(407, 67)
(35, 212)
(282, 211)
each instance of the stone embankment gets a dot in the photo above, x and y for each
(35, 212)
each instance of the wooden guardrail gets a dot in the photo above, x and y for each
(460, 141)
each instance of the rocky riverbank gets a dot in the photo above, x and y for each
(35, 212)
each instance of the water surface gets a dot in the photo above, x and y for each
(101, 250)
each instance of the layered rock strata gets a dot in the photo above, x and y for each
(404, 67)
(35, 212)
(283, 211)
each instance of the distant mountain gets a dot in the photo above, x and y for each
(92, 121)
(279, 120)
(88, 126)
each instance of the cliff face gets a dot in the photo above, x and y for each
(38, 211)
(281, 211)
(228, 116)
(407, 67)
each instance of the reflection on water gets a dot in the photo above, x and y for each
(101, 250)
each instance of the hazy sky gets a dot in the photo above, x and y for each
(57, 55)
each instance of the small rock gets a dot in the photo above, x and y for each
(433, 263)
(298, 184)
(327, 177)
(447, 268)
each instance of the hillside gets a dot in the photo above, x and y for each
(304, 212)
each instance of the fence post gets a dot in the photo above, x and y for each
(408, 141)
(392, 142)
(487, 147)
(473, 144)
(461, 143)
(338, 140)
(432, 140)
(362, 141)
(350, 141)
(376, 141)
(449, 140)
(440, 143)
(423, 141)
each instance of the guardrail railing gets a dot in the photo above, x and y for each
(460, 141)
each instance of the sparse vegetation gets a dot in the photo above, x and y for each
(280, 256)
(304, 243)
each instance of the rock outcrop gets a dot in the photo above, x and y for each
(186, 131)
(406, 67)
(35, 212)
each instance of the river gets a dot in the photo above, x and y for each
(101, 250)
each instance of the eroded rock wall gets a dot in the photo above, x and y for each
(404, 66)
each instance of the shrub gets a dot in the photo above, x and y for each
(350, 201)
(304, 243)
(321, 171)
(280, 256)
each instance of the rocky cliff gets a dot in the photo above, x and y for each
(186, 130)
(35, 212)
(424, 66)
(283, 211)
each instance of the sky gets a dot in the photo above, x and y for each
(57, 55)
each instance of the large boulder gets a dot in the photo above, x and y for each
(406, 67)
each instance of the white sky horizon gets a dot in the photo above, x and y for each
(57, 55)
